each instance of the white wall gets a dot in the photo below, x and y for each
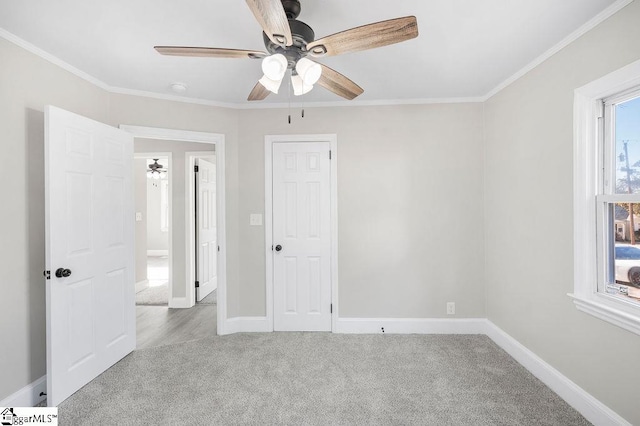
(529, 216)
(405, 173)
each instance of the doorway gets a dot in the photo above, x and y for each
(203, 211)
(301, 232)
(181, 144)
(153, 202)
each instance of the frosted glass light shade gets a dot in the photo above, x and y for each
(299, 86)
(271, 85)
(309, 71)
(274, 66)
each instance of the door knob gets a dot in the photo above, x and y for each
(278, 247)
(63, 273)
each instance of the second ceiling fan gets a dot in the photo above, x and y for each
(290, 42)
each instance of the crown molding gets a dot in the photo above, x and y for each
(588, 26)
(592, 23)
(53, 59)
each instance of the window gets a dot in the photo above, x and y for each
(618, 199)
(607, 198)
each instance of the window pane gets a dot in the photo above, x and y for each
(626, 252)
(627, 130)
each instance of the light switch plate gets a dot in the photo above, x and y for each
(138, 216)
(255, 219)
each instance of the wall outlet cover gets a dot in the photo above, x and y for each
(451, 308)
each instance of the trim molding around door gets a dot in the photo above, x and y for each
(218, 140)
(269, 140)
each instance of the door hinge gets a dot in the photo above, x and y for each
(329, 154)
(47, 274)
(331, 308)
(218, 248)
(196, 169)
(197, 284)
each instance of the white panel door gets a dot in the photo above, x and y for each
(207, 231)
(89, 250)
(302, 236)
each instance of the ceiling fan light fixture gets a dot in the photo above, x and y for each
(309, 71)
(271, 85)
(275, 66)
(299, 86)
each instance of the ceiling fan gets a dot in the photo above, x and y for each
(289, 43)
(156, 170)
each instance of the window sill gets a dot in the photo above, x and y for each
(604, 310)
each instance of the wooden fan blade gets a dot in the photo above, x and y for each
(209, 52)
(339, 84)
(258, 93)
(366, 37)
(272, 18)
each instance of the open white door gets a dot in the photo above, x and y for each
(89, 250)
(301, 236)
(207, 257)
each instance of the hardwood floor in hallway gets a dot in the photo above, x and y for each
(159, 325)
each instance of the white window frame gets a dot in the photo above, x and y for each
(587, 182)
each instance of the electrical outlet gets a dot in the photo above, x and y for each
(138, 216)
(451, 308)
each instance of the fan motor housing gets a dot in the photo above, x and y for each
(302, 35)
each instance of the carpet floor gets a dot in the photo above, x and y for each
(211, 299)
(154, 295)
(319, 379)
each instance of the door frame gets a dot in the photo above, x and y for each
(167, 155)
(218, 140)
(269, 140)
(190, 223)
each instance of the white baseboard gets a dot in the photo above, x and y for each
(157, 252)
(591, 408)
(141, 285)
(179, 303)
(410, 325)
(247, 325)
(28, 396)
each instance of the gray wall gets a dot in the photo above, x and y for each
(134, 110)
(417, 186)
(529, 217)
(178, 201)
(410, 210)
(27, 84)
(140, 181)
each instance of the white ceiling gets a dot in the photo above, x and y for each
(465, 48)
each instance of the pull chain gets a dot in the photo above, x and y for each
(289, 96)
